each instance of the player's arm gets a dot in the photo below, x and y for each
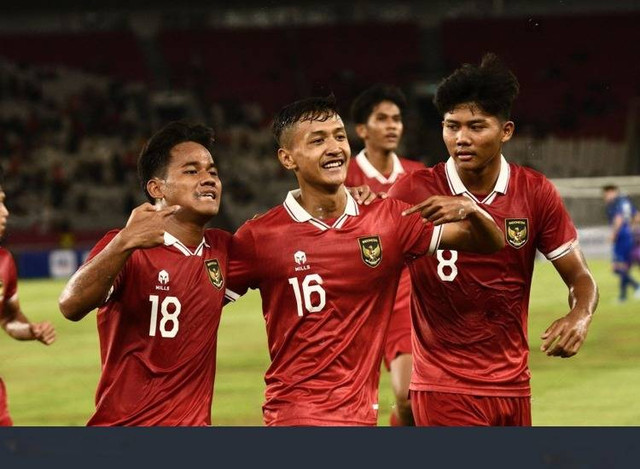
(89, 286)
(565, 336)
(16, 324)
(466, 227)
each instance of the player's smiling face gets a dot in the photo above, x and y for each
(383, 129)
(4, 213)
(318, 151)
(474, 138)
(191, 180)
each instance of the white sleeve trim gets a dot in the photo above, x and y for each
(563, 250)
(231, 295)
(435, 240)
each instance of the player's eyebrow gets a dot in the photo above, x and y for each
(197, 163)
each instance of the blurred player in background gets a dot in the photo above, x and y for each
(622, 217)
(158, 284)
(12, 319)
(328, 270)
(377, 113)
(469, 311)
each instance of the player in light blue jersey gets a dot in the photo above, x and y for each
(622, 214)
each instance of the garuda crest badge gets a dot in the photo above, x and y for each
(517, 230)
(371, 250)
(215, 273)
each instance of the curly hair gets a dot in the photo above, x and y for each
(491, 86)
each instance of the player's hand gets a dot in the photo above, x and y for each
(363, 195)
(146, 226)
(43, 332)
(439, 209)
(564, 337)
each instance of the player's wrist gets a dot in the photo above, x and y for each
(123, 242)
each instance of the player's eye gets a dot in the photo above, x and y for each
(341, 137)
(317, 141)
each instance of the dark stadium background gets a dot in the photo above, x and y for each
(83, 86)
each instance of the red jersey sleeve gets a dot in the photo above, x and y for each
(417, 238)
(11, 287)
(242, 264)
(557, 231)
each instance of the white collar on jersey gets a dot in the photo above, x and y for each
(299, 214)
(457, 186)
(170, 240)
(371, 172)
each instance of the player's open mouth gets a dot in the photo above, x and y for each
(208, 195)
(333, 164)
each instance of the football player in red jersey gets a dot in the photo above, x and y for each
(158, 284)
(12, 319)
(469, 311)
(328, 269)
(377, 113)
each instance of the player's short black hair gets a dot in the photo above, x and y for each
(156, 154)
(491, 86)
(365, 102)
(609, 187)
(309, 109)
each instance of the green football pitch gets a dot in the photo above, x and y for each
(54, 386)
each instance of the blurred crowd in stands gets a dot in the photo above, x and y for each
(73, 122)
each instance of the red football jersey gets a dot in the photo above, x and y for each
(469, 311)
(327, 294)
(360, 172)
(8, 290)
(158, 334)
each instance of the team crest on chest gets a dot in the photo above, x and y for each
(517, 230)
(215, 273)
(371, 250)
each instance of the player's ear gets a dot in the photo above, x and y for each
(286, 159)
(155, 188)
(361, 131)
(507, 131)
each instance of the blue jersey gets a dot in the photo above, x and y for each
(622, 206)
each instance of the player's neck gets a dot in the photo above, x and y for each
(323, 204)
(480, 180)
(189, 233)
(380, 159)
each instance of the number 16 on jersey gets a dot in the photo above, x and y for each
(311, 284)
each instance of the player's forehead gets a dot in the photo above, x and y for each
(328, 124)
(385, 107)
(468, 112)
(190, 153)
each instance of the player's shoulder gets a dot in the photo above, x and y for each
(272, 217)
(379, 205)
(216, 236)
(5, 254)
(421, 178)
(410, 165)
(529, 178)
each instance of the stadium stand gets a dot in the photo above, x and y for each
(75, 107)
